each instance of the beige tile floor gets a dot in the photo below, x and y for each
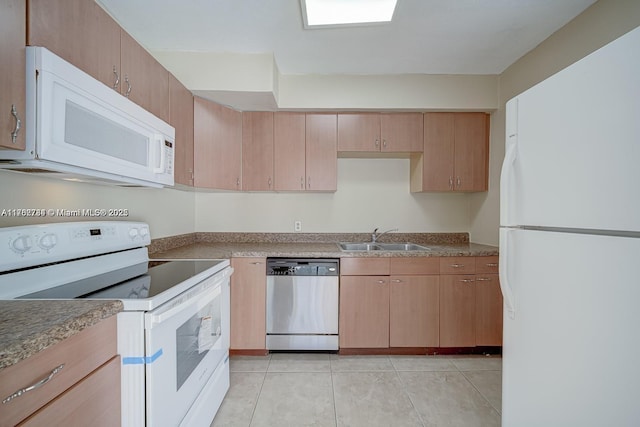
(330, 390)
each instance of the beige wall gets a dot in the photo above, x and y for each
(167, 211)
(603, 22)
(371, 193)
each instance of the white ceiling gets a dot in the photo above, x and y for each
(426, 36)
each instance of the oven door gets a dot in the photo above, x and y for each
(185, 340)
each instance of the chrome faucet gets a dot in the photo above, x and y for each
(375, 235)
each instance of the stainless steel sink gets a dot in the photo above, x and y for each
(359, 246)
(365, 247)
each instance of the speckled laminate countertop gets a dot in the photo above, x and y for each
(206, 250)
(27, 327)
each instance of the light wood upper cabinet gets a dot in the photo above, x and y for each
(305, 152)
(181, 111)
(12, 73)
(217, 146)
(401, 132)
(144, 80)
(456, 153)
(257, 151)
(364, 312)
(248, 304)
(358, 132)
(385, 132)
(471, 154)
(321, 152)
(289, 158)
(80, 32)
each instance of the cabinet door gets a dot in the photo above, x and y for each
(457, 311)
(94, 401)
(488, 310)
(67, 28)
(12, 74)
(289, 159)
(359, 132)
(401, 132)
(321, 152)
(248, 303)
(471, 151)
(144, 80)
(438, 155)
(364, 311)
(78, 31)
(108, 50)
(257, 151)
(182, 120)
(217, 145)
(414, 311)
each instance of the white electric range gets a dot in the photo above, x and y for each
(173, 335)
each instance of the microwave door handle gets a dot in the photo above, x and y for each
(159, 152)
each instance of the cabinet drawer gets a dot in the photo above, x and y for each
(487, 264)
(80, 354)
(457, 265)
(94, 401)
(364, 266)
(413, 266)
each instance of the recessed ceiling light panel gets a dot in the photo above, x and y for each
(328, 13)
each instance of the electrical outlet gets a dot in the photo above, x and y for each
(297, 226)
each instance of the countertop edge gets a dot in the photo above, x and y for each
(23, 348)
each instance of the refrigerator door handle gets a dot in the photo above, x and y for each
(505, 180)
(505, 286)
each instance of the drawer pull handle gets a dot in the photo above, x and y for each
(492, 264)
(256, 263)
(396, 281)
(34, 386)
(467, 280)
(483, 279)
(382, 282)
(457, 265)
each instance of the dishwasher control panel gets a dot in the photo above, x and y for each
(302, 267)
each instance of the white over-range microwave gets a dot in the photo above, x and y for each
(79, 129)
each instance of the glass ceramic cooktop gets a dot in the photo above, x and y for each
(140, 281)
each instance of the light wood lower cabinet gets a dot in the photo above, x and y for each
(86, 403)
(420, 302)
(248, 303)
(87, 386)
(399, 307)
(364, 312)
(457, 310)
(414, 314)
(471, 303)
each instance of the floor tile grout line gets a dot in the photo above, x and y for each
(335, 405)
(264, 378)
(406, 392)
(478, 390)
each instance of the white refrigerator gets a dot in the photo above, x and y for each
(570, 245)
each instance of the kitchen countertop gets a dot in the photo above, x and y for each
(213, 250)
(27, 326)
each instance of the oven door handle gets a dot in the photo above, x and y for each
(200, 299)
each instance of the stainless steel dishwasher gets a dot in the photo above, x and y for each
(302, 304)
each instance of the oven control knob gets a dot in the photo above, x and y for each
(48, 241)
(144, 232)
(22, 244)
(133, 233)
